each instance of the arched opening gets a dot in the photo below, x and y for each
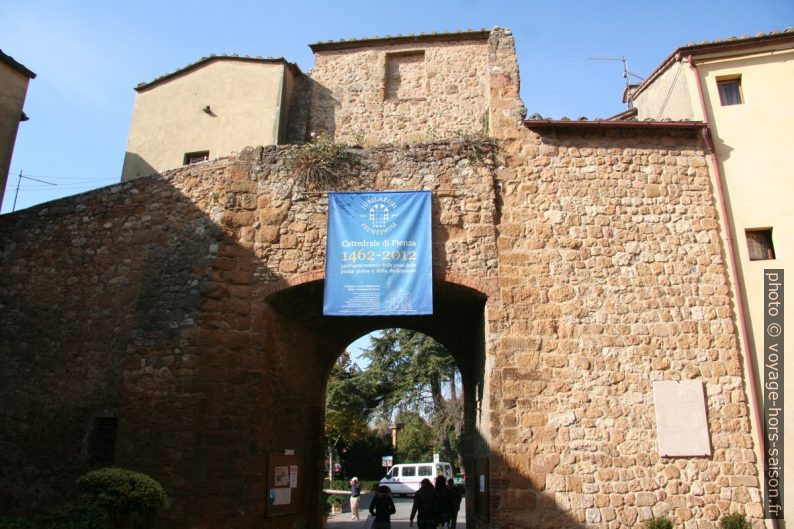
(304, 345)
(394, 416)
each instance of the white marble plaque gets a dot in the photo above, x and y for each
(681, 426)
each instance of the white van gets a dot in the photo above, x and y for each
(405, 478)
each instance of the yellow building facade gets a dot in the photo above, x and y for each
(207, 110)
(14, 79)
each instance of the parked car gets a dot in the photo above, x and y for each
(404, 479)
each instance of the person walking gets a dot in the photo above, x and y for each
(424, 507)
(456, 499)
(355, 497)
(382, 507)
(445, 502)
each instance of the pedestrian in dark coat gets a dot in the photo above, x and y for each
(445, 502)
(424, 506)
(456, 497)
(382, 507)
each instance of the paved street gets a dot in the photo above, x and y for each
(398, 520)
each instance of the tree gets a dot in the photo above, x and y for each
(348, 405)
(415, 438)
(409, 370)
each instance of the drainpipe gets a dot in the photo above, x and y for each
(748, 364)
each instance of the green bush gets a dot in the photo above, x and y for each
(735, 521)
(78, 519)
(659, 523)
(341, 484)
(125, 496)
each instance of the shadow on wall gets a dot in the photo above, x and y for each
(322, 111)
(148, 298)
(135, 167)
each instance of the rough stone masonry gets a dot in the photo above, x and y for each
(573, 268)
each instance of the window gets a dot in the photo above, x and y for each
(196, 157)
(102, 450)
(759, 244)
(425, 470)
(409, 471)
(730, 89)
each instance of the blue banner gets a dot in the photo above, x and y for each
(379, 258)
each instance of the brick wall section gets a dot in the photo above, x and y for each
(602, 255)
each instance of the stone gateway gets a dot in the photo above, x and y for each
(574, 265)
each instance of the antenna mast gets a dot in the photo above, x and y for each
(626, 73)
(19, 181)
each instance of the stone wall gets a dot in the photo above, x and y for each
(402, 91)
(189, 305)
(612, 276)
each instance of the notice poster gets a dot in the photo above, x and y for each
(379, 259)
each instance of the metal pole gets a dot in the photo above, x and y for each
(16, 194)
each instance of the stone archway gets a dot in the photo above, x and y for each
(458, 322)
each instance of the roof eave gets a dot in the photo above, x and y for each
(400, 39)
(534, 124)
(206, 60)
(16, 65)
(713, 47)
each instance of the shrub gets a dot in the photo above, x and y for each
(735, 521)
(126, 496)
(341, 484)
(322, 163)
(659, 523)
(78, 519)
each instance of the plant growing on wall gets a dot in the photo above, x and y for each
(323, 163)
(735, 521)
(475, 147)
(658, 523)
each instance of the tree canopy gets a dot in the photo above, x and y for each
(410, 380)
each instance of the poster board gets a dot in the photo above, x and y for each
(482, 489)
(379, 254)
(286, 485)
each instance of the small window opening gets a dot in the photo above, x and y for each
(196, 157)
(759, 244)
(102, 449)
(730, 89)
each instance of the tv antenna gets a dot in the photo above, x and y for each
(627, 74)
(19, 181)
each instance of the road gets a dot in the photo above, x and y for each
(399, 520)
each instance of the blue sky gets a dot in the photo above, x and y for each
(88, 56)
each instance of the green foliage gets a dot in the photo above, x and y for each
(322, 163)
(123, 494)
(348, 404)
(735, 521)
(341, 484)
(78, 519)
(410, 370)
(363, 457)
(658, 523)
(415, 438)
